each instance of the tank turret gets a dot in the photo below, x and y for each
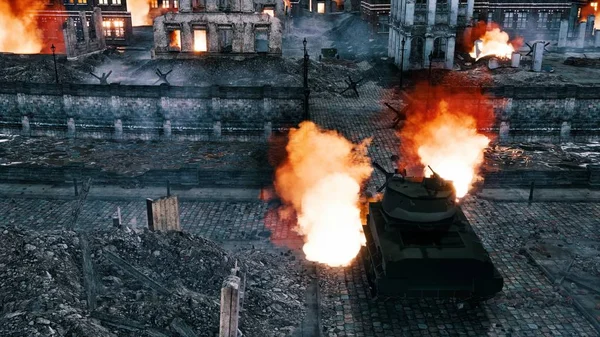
(420, 244)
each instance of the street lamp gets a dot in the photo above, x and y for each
(54, 57)
(402, 64)
(430, 59)
(306, 90)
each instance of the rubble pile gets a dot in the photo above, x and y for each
(541, 156)
(40, 68)
(44, 292)
(583, 62)
(130, 158)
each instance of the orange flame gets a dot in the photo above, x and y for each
(321, 180)
(19, 31)
(590, 9)
(446, 137)
(175, 39)
(139, 12)
(493, 42)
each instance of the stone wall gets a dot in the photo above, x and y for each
(148, 112)
(556, 114)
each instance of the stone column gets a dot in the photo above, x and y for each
(217, 129)
(167, 129)
(185, 6)
(504, 131)
(268, 130)
(248, 37)
(538, 55)
(565, 131)
(187, 38)
(428, 50)
(211, 6)
(597, 38)
(97, 15)
(71, 127)
(581, 36)
(409, 14)
(431, 5)
(406, 53)
(453, 12)
(118, 129)
(563, 33)
(86, 29)
(450, 52)
(392, 43)
(470, 5)
(161, 40)
(213, 38)
(25, 127)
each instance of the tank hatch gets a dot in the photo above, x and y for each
(417, 200)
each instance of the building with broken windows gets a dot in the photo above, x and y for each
(224, 28)
(116, 21)
(277, 8)
(428, 29)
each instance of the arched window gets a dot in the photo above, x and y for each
(439, 48)
(416, 51)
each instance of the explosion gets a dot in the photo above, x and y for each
(492, 42)
(590, 9)
(19, 31)
(320, 180)
(139, 12)
(446, 137)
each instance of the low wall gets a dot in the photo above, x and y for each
(556, 114)
(148, 112)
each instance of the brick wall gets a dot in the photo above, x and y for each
(148, 112)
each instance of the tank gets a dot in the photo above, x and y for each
(420, 244)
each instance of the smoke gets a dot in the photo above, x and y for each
(139, 12)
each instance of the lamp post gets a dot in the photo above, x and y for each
(55, 69)
(430, 59)
(402, 64)
(306, 90)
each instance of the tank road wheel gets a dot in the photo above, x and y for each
(368, 264)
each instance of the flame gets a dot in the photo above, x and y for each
(320, 180)
(590, 9)
(19, 32)
(175, 39)
(446, 137)
(139, 12)
(200, 40)
(493, 42)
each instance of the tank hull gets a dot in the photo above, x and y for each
(397, 268)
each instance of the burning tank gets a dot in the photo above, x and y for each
(420, 244)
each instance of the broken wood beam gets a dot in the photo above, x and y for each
(89, 276)
(230, 307)
(182, 328)
(131, 270)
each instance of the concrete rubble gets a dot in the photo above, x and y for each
(43, 292)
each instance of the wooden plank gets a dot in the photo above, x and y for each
(149, 214)
(89, 276)
(182, 328)
(230, 307)
(119, 262)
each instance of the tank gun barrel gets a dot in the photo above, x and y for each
(434, 173)
(387, 174)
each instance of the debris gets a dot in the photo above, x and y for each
(104, 78)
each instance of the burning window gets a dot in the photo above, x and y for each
(116, 2)
(175, 3)
(594, 5)
(114, 29)
(81, 2)
(320, 7)
(269, 11)
(165, 4)
(154, 3)
(102, 2)
(175, 39)
(226, 39)
(261, 41)
(200, 44)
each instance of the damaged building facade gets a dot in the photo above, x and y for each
(276, 8)
(238, 31)
(428, 29)
(90, 40)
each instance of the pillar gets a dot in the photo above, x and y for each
(217, 129)
(470, 6)
(431, 5)
(409, 14)
(428, 50)
(563, 33)
(185, 6)
(450, 52)
(565, 131)
(248, 37)
(187, 38)
(406, 53)
(597, 38)
(25, 126)
(581, 36)
(71, 128)
(167, 128)
(211, 6)
(118, 129)
(86, 29)
(504, 131)
(538, 55)
(392, 42)
(268, 130)
(230, 307)
(247, 6)
(453, 12)
(97, 15)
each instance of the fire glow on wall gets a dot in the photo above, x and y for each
(175, 39)
(200, 40)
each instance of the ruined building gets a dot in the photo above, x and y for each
(429, 29)
(277, 8)
(92, 38)
(223, 28)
